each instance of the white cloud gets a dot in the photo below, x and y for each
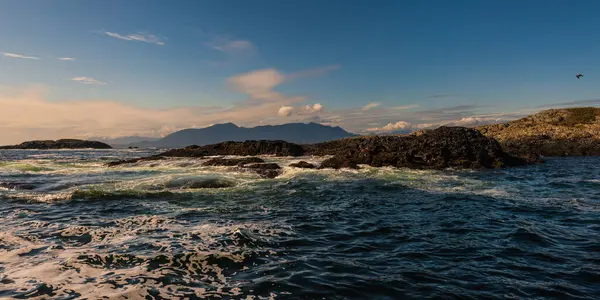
(88, 80)
(400, 125)
(66, 58)
(470, 121)
(370, 105)
(13, 55)
(317, 107)
(140, 37)
(285, 111)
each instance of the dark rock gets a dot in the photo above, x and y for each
(266, 166)
(232, 161)
(338, 162)
(59, 144)
(247, 148)
(432, 149)
(134, 160)
(193, 183)
(17, 185)
(303, 165)
(265, 170)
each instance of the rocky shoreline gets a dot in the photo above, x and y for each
(553, 132)
(59, 144)
(444, 147)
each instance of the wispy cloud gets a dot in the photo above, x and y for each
(405, 107)
(370, 105)
(140, 37)
(13, 55)
(441, 96)
(88, 80)
(574, 103)
(66, 58)
(232, 46)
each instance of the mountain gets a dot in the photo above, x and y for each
(553, 132)
(124, 141)
(300, 133)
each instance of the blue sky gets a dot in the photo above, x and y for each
(182, 63)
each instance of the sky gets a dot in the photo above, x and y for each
(78, 69)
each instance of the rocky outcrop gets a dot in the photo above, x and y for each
(441, 148)
(303, 165)
(265, 170)
(232, 161)
(432, 149)
(554, 132)
(253, 164)
(247, 148)
(59, 144)
(134, 160)
(339, 162)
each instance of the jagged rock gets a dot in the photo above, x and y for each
(59, 144)
(554, 132)
(338, 162)
(433, 149)
(232, 161)
(303, 165)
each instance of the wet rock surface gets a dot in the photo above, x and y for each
(303, 165)
(232, 161)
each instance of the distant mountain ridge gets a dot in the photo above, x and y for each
(123, 141)
(299, 133)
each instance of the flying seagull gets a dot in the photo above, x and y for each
(579, 76)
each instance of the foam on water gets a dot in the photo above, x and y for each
(72, 228)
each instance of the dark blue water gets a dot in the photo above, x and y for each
(73, 229)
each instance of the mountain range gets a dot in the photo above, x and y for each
(300, 133)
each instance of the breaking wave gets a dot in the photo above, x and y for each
(72, 228)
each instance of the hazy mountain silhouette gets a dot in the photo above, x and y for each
(300, 133)
(124, 141)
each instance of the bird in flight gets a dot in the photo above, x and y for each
(579, 76)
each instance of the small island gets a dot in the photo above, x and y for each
(444, 147)
(554, 132)
(59, 144)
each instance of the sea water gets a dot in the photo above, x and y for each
(72, 228)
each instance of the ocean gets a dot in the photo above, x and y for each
(71, 228)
